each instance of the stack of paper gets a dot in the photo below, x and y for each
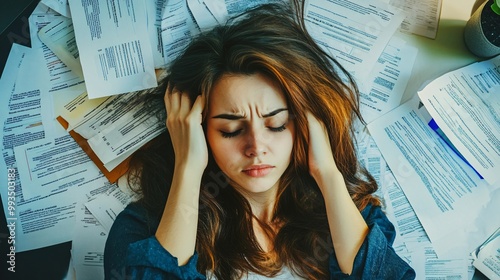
(449, 179)
(91, 61)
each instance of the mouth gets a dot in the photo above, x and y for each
(258, 170)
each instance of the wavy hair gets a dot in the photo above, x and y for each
(271, 40)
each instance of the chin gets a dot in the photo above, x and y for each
(256, 188)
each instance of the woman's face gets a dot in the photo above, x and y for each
(249, 131)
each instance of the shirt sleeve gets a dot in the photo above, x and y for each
(133, 252)
(376, 259)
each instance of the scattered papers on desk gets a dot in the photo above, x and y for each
(59, 187)
(60, 75)
(87, 247)
(115, 49)
(59, 37)
(43, 213)
(354, 32)
(60, 6)
(110, 129)
(389, 77)
(422, 17)
(412, 243)
(487, 256)
(446, 194)
(465, 104)
(209, 13)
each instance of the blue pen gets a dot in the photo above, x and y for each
(432, 123)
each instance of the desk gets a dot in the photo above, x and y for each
(435, 57)
(445, 53)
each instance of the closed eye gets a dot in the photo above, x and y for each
(278, 129)
(230, 134)
(235, 133)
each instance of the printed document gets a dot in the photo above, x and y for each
(205, 17)
(48, 166)
(62, 76)
(445, 193)
(178, 26)
(115, 49)
(487, 257)
(422, 17)
(388, 78)
(106, 206)
(114, 126)
(87, 246)
(60, 6)
(354, 32)
(42, 220)
(59, 37)
(154, 11)
(465, 104)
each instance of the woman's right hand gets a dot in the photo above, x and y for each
(178, 225)
(184, 124)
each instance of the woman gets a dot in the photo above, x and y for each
(257, 175)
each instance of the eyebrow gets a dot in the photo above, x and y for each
(238, 117)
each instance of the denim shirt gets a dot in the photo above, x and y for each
(133, 252)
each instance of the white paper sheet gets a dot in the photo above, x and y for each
(401, 213)
(487, 259)
(390, 77)
(106, 206)
(61, 76)
(235, 7)
(443, 268)
(115, 50)
(354, 32)
(202, 14)
(48, 166)
(43, 9)
(114, 126)
(445, 192)
(43, 220)
(59, 37)
(465, 104)
(124, 135)
(60, 6)
(218, 9)
(178, 27)
(154, 11)
(55, 75)
(422, 17)
(36, 22)
(87, 246)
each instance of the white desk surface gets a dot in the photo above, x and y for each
(445, 53)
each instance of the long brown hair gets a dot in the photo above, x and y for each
(270, 40)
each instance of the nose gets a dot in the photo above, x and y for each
(255, 143)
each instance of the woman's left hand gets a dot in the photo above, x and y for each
(347, 227)
(321, 161)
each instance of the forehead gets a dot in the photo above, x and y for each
(241, 92)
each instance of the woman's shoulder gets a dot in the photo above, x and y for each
(135, 217)
(371, 212)
(374, 215)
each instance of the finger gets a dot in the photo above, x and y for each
(198, 106)
(166, 98)
(175, 100)
(313, 123)
(318, 131)
(184, 104)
